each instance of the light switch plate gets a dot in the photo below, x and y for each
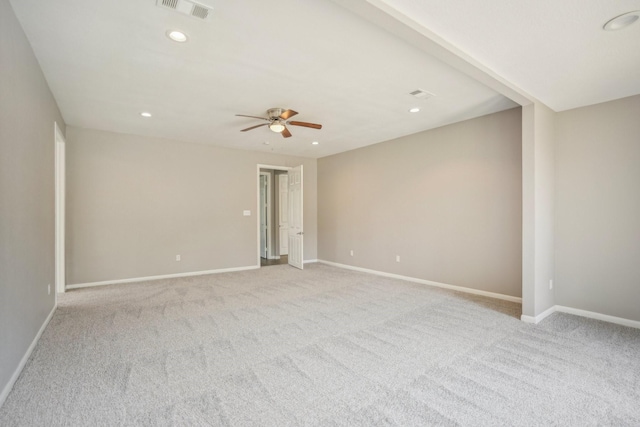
(246, 213)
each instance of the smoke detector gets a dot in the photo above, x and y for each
(187, 7)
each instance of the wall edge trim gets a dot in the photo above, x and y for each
(425, 282)
(582, 313)
(161, 276)
(537, 319)
(599, 316)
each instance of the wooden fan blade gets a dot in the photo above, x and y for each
(288, 114)
(253, 127)
(253, 117)
(307, 125)
(286, 133)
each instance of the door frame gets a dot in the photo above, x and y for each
(60, 203)
(267, 200)
(258, 167)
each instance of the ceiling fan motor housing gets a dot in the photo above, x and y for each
(274, 113)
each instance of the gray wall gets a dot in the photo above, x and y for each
(598, 208)
(133, 203)
(27, 115)
(448, 201)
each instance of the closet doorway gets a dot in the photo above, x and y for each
(278, 202)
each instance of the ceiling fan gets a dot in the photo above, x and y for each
(278, 119)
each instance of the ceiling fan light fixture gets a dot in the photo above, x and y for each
(277, 127)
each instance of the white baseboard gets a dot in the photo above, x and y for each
(537, 319)
(425, 282)
(25, 358)
(599, 316)
(583, 313)
(309, 261)
(163, 276)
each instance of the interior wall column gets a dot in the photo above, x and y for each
(538, 194)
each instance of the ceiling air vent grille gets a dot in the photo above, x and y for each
(421, 94)
(186, 7)
(200, 12)
(171, 4)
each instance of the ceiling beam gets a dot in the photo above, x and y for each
(381, 14)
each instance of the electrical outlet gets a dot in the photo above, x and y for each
(177, 257)
(49, 289)
(397, 258)
(550, 284)
(351, 252)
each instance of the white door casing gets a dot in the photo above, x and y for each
(296, 230)
(60, 191)
(283, 213)
(259, 168)
(264, 214)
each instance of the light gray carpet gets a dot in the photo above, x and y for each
(323, 346)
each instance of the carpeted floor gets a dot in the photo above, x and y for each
(323, 346)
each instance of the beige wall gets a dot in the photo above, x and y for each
(134, 203)
(448, 201)
(598, 208)
(27, 115)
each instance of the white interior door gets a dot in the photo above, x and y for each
(296, 230)
(263, 215)
(283, 213)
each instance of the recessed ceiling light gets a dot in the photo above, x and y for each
(315, 143)
(177, 36)
(414, 110)
(145, 114)
(622, 21)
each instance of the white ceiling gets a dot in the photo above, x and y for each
(106, 61)
(555, 50)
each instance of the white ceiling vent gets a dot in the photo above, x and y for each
(186, 7)
(421, 94)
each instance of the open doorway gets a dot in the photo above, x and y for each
(276, 206)
(273, 217)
